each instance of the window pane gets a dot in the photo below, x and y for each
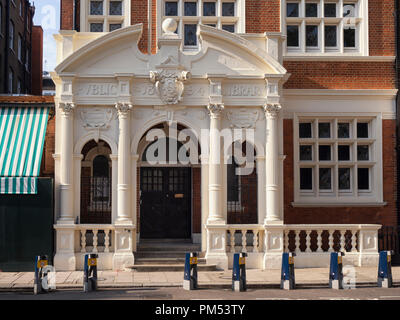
(349, 37)
(190, 35)
(96, 7)
(330, 10)
(344, 153)
(211, 25)
(190, 9)
(228, 9)
(115, 8)
(362, 130)
(96, 27)
(208, 9)
(344, 178)
(325, 179)
(324, 153)
(115, 26)
(292, 9)
(312, 36)
(305, 153)
(363, 153)
(363, 178)
(306, 178)
(171, 8)
(343, 130)
(311, 10)
(232, 182)
(330, 36)
(292, 36)
(228, 27)
(349, 10)
(305, 130)
(324, 130)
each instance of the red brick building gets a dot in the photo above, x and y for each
(336, 159)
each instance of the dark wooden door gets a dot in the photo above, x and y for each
(165, 209)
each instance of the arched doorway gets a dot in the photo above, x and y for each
(242, 185)
(96, 183)
(166, 190)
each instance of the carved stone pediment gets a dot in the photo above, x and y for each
(169, 84)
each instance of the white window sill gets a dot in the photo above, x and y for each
(337, 204)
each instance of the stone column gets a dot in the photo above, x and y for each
(272, 163)
(124, 164)
(216, 224)
(124, 228)
(65, 260)
(135, 158)
(215, 215)
(66, 157)
(204, 200)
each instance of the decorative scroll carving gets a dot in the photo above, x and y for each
(123, 108)
(169, 84)
(96, 118)
(272, 110)
(215, 109)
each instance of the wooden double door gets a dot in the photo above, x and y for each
(165, 202)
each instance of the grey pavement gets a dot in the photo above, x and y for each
(206, 279)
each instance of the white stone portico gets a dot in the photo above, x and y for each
(108, 91)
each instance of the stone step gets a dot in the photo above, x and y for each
(164, 261)
(182, 247)
(170, 267)
(162, 254)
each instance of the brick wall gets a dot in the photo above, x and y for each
(381, 27)
(262, 16)
(47, 165)
(67, 15)
(385, 215)
(37, 60)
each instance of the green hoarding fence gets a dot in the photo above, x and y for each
(26, 227)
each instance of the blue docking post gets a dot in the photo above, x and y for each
(239, 272)
(90, 272)
(385, 279)
(40, 275)
(336, 270)
(190, 275)
(287, 272)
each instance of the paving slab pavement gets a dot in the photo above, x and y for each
(131, 278)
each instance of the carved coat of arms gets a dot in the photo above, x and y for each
(169, 84)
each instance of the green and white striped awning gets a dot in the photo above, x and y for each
(22, 133)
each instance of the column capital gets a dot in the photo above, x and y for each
(67, 107)
(215, 109)
(123, 108)
(272, 109)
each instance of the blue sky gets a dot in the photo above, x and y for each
(47, 14)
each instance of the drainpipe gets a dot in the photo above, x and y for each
(149, 23)
(74, 14)
(397, 66)
(7, 47)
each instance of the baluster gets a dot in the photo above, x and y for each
(83, 240)
(287, 240)
(297, 240)
(232, 233)
(319, 240)
(308, 240)
(106, 240)
(244, 242)
(331, 240)
(255, 240)
(342, 240)
(353, 240)
(95, 240)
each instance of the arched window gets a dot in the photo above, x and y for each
(101, 167)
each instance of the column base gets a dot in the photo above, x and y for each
(272, 261)
(65, 262)
(219, 259)
(273, 222)
(122, 260)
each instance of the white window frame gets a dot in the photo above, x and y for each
(335, 197)
(239, 20)
(361, 22)
(106, 18)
